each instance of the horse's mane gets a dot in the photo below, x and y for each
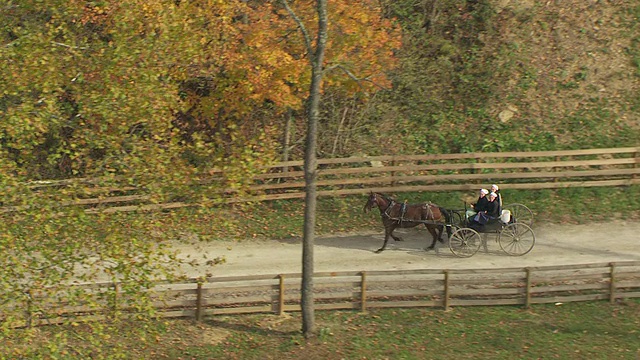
(387, 197)
(392, 200)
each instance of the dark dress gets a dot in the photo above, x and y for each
(481, 221)
(499, 198)
(481, 204)
(493, 209)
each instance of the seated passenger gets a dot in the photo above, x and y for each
(496, 189)
(491, 212)
(493, 208)
(479, 205)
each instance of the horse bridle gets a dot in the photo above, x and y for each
(385, 212)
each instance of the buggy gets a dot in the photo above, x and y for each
(512, 231)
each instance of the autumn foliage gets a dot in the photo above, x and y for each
(91, 87)
(177, 98)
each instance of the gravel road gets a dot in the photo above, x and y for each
(556, 244)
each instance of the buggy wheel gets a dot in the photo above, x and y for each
(465, 242)
(516, 239)
(520, 214)
(458, 218)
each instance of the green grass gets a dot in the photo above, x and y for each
(593, 330)
(282, 219)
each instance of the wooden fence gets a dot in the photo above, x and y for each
(277, 294)
(401, 173)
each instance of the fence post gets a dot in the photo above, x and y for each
(445, 300)
(199, 301)
(612, 283)
(527, 298)
(363, 291)
(281, 295)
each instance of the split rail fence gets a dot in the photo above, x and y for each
(351, 290)
(393, 173)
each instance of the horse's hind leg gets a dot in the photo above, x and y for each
(448, 226)
(390, 230)
(441, 232)
(434, 235)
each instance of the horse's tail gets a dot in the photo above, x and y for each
(447, 219)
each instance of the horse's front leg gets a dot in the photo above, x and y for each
(388, 232)
(386, 240)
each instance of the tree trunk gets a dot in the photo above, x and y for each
(316, 58)
(311, 172)
(287, 138)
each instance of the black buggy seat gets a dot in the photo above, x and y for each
(493, 224)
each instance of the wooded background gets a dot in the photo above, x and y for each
(151, 90)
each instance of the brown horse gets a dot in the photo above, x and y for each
(398, 215)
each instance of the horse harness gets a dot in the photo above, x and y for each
(403, 211)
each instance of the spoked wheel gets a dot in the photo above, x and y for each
(516, 239)
(465, 242)
(520, 214)
(458, 217)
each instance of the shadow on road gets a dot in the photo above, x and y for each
(550, 243)
(415, 242)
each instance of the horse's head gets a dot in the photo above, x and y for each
(376, 200)
(371, 202)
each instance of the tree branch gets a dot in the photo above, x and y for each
(303, 29)
(69, 46)
(352, 75)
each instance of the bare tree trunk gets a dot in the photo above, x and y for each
(430, 21)
(316, 57)
(311, 172)
(339, 132)
(287, 138)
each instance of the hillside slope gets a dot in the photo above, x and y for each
(576, 54)
(501, 75)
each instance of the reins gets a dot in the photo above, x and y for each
(392, 203)
(386, 211)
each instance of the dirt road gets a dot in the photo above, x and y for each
(555, 244)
